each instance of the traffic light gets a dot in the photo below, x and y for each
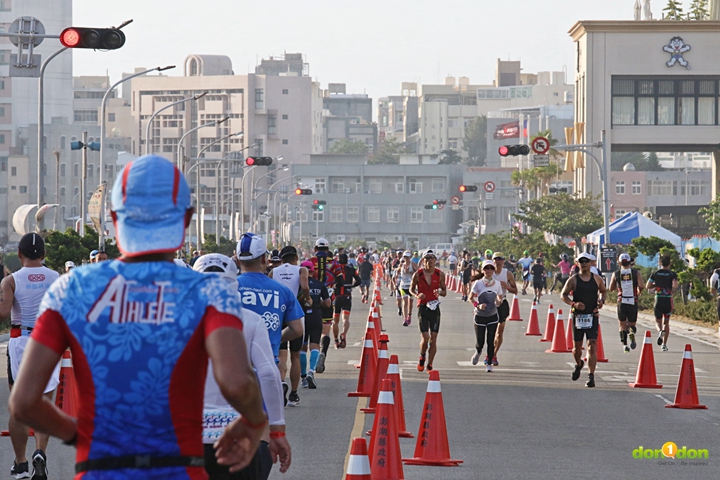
(259, 161)
(319, 204)
(303, 191)
(435, 205)
(468, 188)
(513, 150)
(430, 207)
(96, 38)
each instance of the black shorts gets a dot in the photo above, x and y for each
(11, 382)
(429, 320)
(466, 276)
(343, 304)
(503, 311)
(589, 333)
(538, 284)
(627, 312)
(259, 467)
(313, 328)
(663, 307)
(295, 345)
(327, 315)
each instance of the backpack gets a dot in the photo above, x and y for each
(634, 274)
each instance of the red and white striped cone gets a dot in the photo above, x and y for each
(646, 376)
(549, 326)
(359, 462)
(686, 395)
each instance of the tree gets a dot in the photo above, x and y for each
(388, 152)
(475, 141)
(699, 10)
(711, 214)
(66, 246)
(651, 246)
(449, 156)
(226, 247)
(674, 10)
(650, 163)
(620, 159)
(534, 178)
(562, 214)
(349, 147)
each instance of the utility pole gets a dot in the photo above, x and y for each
(83, 186)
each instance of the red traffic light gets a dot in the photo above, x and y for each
(70, 37)
(303, 191)
(503, 151)
(435, 202)
(513, 150)
(95, 38)
(258, 161)
(468, 188)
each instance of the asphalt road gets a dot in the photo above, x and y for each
(526, 419)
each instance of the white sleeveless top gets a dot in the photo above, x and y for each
(502, 277)
(31, 283)
(288, 275)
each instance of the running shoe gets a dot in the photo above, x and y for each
(286, 387)
(627, 349)
(409, 321)
(489, 369)
(311, 381)
(405, 323)
(576, 372)
(20, 470)
(486, 361)
(591, 380)
(475, 358)
(400, 311)
(320, 367)
(421, 363)
(39, 461)
(524, 292)
(293, 400)
(343, 342)
(632, 341)
(664, 348)
(337, 344)
(429, 367)
(495, 361)
(660, 337)
(304, 382)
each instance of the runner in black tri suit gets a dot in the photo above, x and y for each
(663, 282)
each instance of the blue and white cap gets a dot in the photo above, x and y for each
(250, 247)
(150, 201)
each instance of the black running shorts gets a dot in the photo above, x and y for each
(663, 307)
(313, 328)
(295, 345)
(343, 304)
(589, 333)
(429, 320)
(503, 310)
(627, 312)
(9, 370)
(327, 315)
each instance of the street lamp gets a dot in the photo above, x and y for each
(181, 147)
(155, 114)
(253, 206)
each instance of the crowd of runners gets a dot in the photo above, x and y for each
(256, 328)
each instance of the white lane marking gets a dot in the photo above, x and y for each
(664, 399)
(356, 344)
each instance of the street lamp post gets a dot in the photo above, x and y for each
(155, 114)
(253, 204)
(181, 148)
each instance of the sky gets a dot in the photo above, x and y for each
(371, 45)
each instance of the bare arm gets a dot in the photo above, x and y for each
(443, 287)
(569, 287)
(613, 285)
(304, 285)
(293, 329)
(511, 286)
(414, 284)
(7, 288)
(641, 285)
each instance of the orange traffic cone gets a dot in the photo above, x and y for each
(451, 283)
(515, 310)
(377, 320)
(372, 331)
(432, 447)
(646, 377)
(533, 327)
(385, 454)
(66, 398)
(686, 395)
(558, 343)
(549, 325)
(393, 374)
(359, 462)
(367, 370)
(569, 338)
(459, 289)
(380, 373)
(599, 347)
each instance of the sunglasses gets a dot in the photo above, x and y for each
(489, 268)
(583, 260)
(499, 258)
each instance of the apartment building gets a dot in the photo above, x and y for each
(347, 117)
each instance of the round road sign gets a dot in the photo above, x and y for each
(489, 187)
(455, 200)
(541, 145)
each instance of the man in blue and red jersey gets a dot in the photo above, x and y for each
(140, 331)
(326, 268)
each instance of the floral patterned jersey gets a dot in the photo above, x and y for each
(137, 333)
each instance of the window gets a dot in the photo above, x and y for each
(62, 169)
(414, 186)
(375, 185)
(285, 117)
(373, 214)
(393, 214)
(62, 142)
(399, 187)
(438, 185)
(259, 99)
(76, 170)
(2, 138)
(23, 189)
(3, 164)
(336, 214)
(436, 216)
(272, 124)
(13, 171)
(86, 116)
(507, 188)
(353, 214)
(665, 100)
(285, 91)
(452, 122)
(285, 141)
(4, 57)
(636, 187)
(661, 187)
(337, 185)
(319, 185)
(620, 188)
(62, 191)
(696, 187)
(416, 214)
(111, 117)
(5, 5)
(619, 213)
(318, 216)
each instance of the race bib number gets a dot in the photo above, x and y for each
(628, 300)
(432, 305)
(584, 321)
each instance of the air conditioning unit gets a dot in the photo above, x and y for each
(398, 238)
(348, 190)
(341, 238)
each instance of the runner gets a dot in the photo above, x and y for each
(274, 302)
(507, 282)
(663, 282)
(628, 283)
(488, 255)
(489, 294)
(365, 269)
(141, 368)
(427, 285)
(538, 276)
(22, 293)
(69, 265)
(345, 280)
(313, 326)
(452, 261)
(218, 413)
(563, 273)
(588, 291)
(404, 274)
(325, 270)
(466, 270)
(290, 274)
(525, 262)
(416, 258)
